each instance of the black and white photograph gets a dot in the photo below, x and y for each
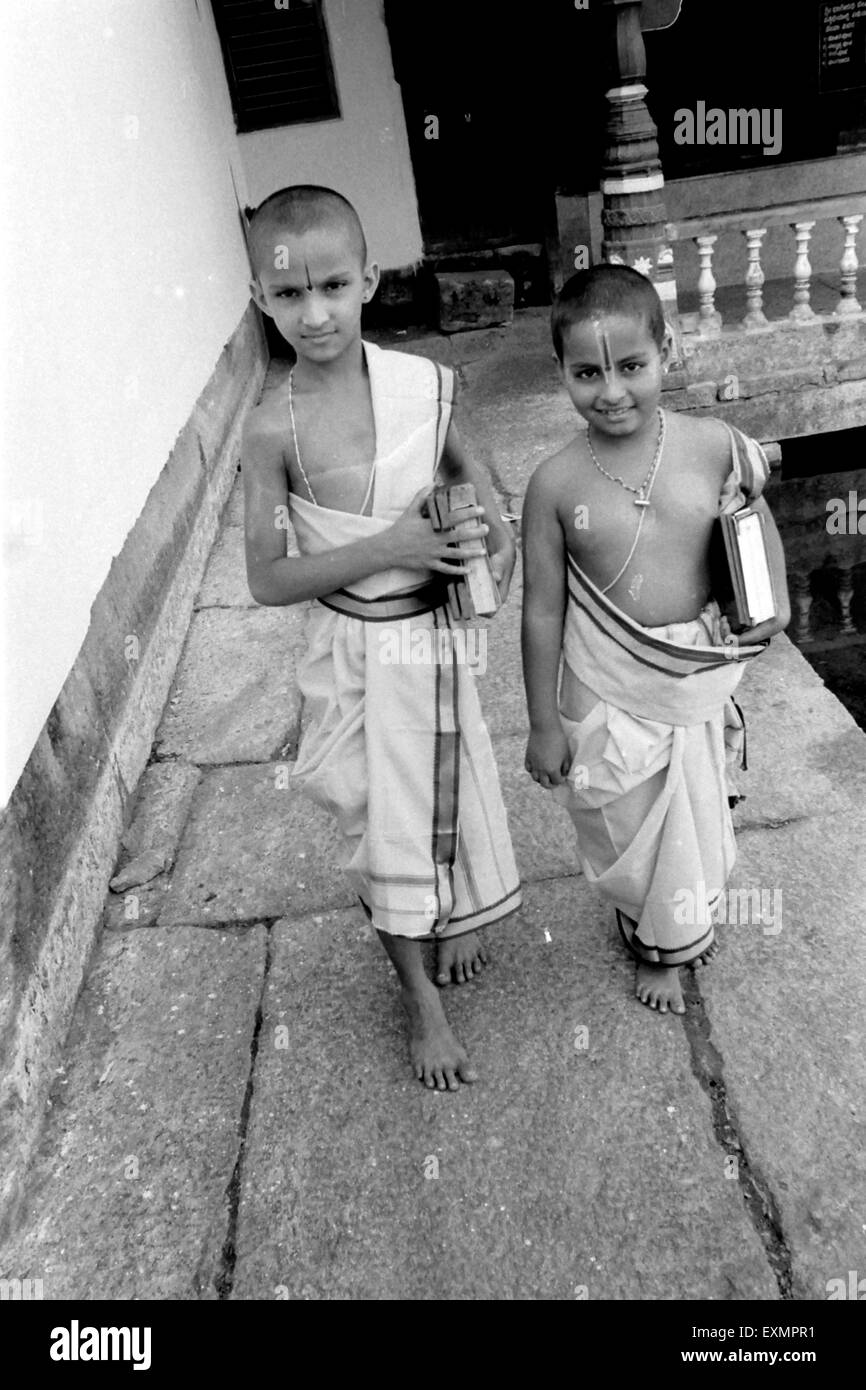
(434, 667)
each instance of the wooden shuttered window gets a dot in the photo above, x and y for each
(278, 62)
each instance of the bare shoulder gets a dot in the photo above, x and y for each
(552, 477)
(264, 438)
(706, 439)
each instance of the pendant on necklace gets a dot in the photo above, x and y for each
(641, 501)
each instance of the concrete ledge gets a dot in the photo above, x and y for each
(61, 830)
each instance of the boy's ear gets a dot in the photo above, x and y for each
(371, 281)
(667, 349)
(258, 296)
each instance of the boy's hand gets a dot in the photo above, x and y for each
(502, 560)
(547, 757)
(411, 542)
(754, 636)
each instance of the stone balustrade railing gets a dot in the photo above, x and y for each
(848, 211)
(819, 519)
(835, 582)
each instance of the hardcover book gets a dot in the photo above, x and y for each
(741, 567)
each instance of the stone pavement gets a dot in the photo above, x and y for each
(235, 1117)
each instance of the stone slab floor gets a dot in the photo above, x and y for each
(235, 1118)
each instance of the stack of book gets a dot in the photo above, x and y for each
(475, 594)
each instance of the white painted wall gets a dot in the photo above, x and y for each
(364, 154)
(124, 274)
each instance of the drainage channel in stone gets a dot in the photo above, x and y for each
(708, 1067)
(225, 1278)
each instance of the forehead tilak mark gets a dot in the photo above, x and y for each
(603, 341)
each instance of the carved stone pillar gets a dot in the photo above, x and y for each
(632, 185)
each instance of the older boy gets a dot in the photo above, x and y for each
(399, 752)
(617, 530)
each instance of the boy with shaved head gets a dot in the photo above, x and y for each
(630, 665)
(396, 751)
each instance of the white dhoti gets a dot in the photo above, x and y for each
(647, 789)
(396, 747)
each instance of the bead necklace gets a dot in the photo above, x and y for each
(642, 500)
(642, 492)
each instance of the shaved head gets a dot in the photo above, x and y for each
(302, 208)
(606, 289)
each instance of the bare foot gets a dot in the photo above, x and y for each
(706, 956)
(658, 986)
(464, 956)
(437, 1058)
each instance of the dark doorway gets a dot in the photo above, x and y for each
(743, 54)
(473, 79)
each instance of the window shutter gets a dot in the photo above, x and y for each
(278, 62)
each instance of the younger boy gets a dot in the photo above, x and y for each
(617, 530)
(398, 752)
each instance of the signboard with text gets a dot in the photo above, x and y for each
(842, 46)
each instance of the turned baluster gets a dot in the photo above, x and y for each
(848, 266)
(710, 320)
(846, 594)
(802, 310)
(755, 316)
(801, 590)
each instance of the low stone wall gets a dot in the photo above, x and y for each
(777, 384)
(60, 832)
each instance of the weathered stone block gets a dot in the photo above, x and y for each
(251, 712)
(474, 299)
(853, 370)
(254, 848)
(675, 380)
(397, 288)
(701, 394)
(769, 382)
(161, 808)
(127, 1198)
(334, 1201)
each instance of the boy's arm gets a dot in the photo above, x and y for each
(544, 599)
(277, 579)
(456, 467)
(776, 557)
